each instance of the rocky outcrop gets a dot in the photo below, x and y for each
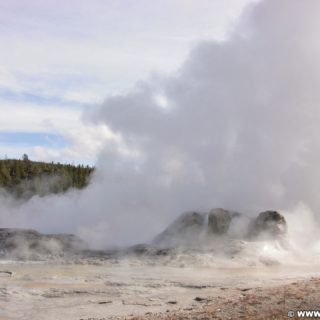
(185, 229)
(195, 228)
(219, 221)
(218, 229)
(30, 244)
(268, 224)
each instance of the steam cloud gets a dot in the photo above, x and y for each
(237, 126)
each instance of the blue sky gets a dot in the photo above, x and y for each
(31, 138)
(61, 57)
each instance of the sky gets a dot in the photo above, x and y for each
(59, 59)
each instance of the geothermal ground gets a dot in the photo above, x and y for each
(192, 270)
(123, 290)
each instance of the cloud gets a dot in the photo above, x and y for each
(104, 47)
(32, 117)
(90, 138)
(25, 119)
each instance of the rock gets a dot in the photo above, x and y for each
(6, 273)
(30, 244)
(147, 249)
(68, 242)
(268, 224)
(187, 221)
(199, 299)
(203, 230)
(219, 221)
(185, 229)
(193, 229)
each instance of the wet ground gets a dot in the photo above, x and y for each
(91, 290)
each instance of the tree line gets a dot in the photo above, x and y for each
(25, 178)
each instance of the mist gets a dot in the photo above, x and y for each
(237, 126)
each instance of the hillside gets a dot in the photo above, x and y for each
(25, 178)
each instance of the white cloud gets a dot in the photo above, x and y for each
(64, 49)
(84, 143)
(81, 51)
(30, 117)
(83, 140)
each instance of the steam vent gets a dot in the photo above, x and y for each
(195, 226)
